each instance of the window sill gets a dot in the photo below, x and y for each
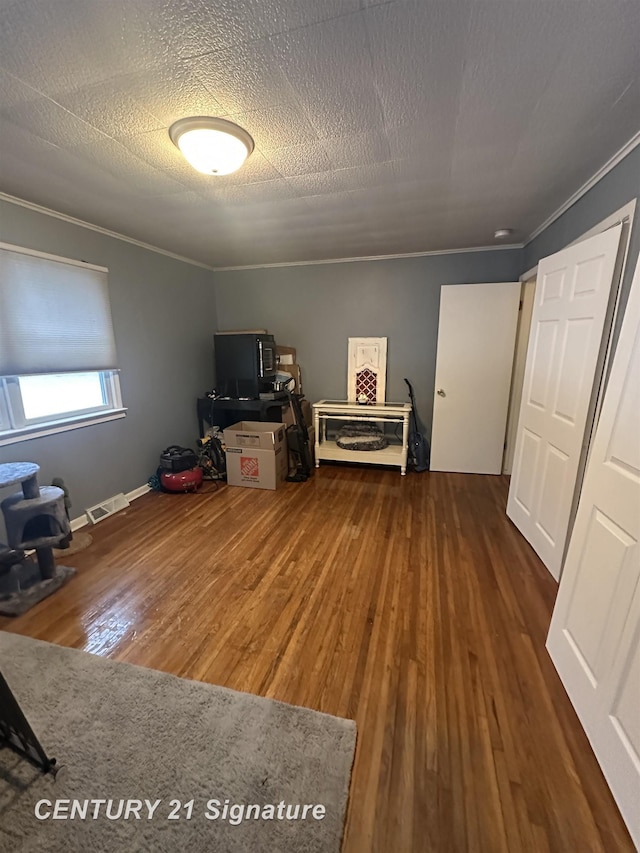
(52, 427)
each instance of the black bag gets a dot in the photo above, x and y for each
(419, 452)
(298, 441)
(176, 458)
(211, 457)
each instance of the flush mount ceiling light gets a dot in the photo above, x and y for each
(213, 146)
(503, 233)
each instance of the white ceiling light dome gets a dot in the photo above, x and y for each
(503, 233)
(213, 146)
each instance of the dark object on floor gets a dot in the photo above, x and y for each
(154, 481)
(181, 481)
(176, 458)
(419, 452)
(211, 455)
(361, 435)
(298, 442)
(17, 734)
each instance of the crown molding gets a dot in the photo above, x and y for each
(623, 152)
(626, 149)
(47, 211)
(371, 258)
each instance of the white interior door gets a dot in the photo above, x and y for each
(594, 638)
(476, 339)
(571, 302)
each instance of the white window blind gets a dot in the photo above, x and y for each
(55, 315)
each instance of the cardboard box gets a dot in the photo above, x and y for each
(265, 435)
(255, 468)
(286, 355)
(256, 453)
(293, 370)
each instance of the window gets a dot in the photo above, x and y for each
(57, 349)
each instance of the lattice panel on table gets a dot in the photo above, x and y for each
(367, 384)
(367, 370)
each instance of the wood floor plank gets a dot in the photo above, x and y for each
(410, 604)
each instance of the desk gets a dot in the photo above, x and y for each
(224, 413)
(395, 454)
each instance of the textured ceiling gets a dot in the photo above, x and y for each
(380, 127)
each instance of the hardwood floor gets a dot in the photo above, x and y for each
(410, 604)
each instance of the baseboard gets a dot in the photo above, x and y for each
(82, 520)
(137, 493)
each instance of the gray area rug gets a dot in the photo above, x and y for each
(124, 734)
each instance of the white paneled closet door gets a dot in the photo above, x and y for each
(571, 304)
(594, 638)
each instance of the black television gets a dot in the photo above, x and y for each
(245, 364)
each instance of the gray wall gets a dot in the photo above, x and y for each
(165, 312)
(617, 188)
(164, 319)
(315, 308)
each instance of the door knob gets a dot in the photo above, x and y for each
(441, 392)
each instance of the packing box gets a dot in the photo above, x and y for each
(263, 434)
(257, 455)
(292, 370)
(286, 355)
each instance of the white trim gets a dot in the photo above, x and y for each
(83, 521)
(138, 493)
(529, 274)
(626, 212)
(73, 423)
(626, 149)
(10, 247)
(115, 234)
(80, 521)
(371, 258)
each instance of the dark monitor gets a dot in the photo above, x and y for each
(245, 364)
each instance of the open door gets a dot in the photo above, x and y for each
(571, 304)
(476, 339)
(594, 638)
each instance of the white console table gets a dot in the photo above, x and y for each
(381, 413)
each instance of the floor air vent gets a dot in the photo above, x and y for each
(102, 510)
